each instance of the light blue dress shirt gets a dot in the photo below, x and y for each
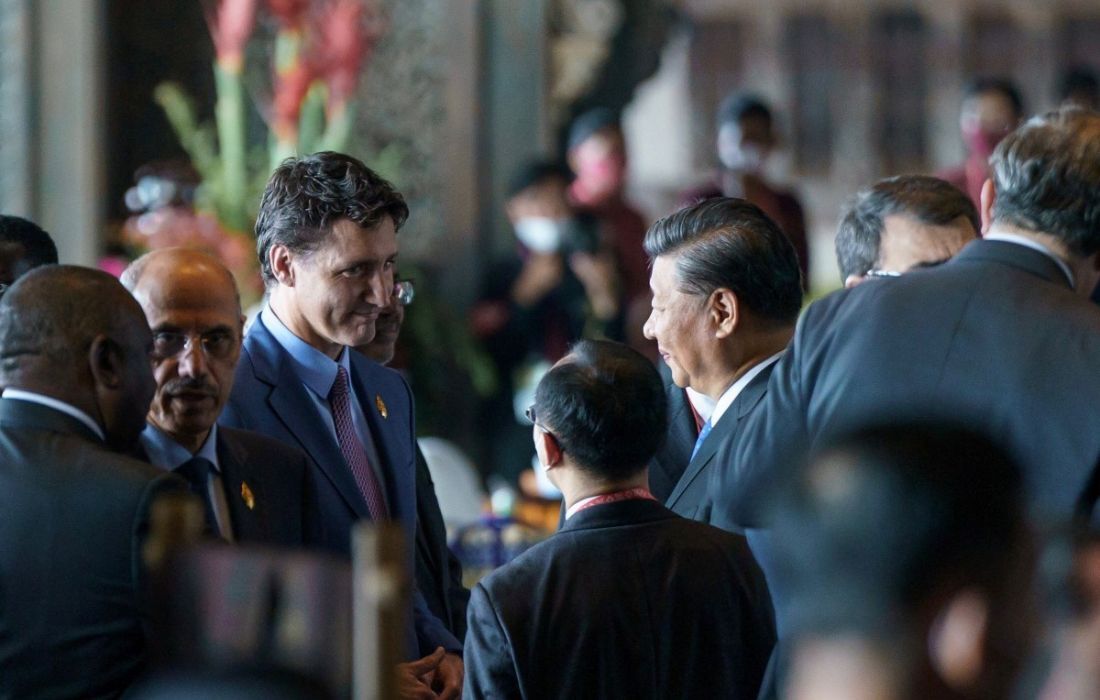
(167, 454)
(318, 373)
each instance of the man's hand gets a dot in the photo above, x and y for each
(448, 677)
(541, 273)
(414, 679)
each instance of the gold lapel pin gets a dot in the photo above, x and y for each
(246, 494)
(381, 406)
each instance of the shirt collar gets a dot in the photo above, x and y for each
(167, 454)
(1036, 246)
(316, 369)
(730, 395)
(56, 405)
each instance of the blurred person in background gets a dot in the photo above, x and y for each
(991, 109)
(438, 571)
(596, 152)
(561, 285)
(1080, 87)
(747, 138)
(23, 247)
(902, 223)
(909, 560)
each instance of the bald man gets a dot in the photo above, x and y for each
(254, 489)
(74, 358)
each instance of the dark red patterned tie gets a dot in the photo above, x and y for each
(352, 448)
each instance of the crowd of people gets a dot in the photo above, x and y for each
(888, 494)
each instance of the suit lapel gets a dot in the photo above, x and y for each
(388, 434)
(291, 402)
(724, 431)
(236, 470)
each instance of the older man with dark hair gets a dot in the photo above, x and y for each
(74, 358)
(326, 236)
(1001, 337)
(909, 565)
(613, 605)
(901, 223)
(726, 294)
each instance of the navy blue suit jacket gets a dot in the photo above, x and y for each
(269, 397)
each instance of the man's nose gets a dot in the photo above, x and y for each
(192, 359)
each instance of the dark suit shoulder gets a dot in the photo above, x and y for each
(259, 445)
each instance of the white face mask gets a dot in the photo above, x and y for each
(541, 234)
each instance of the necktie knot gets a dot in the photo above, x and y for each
(339, 390)
(197, 473)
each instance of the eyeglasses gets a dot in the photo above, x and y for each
(216, 344)
(530, 413)
(404, 291)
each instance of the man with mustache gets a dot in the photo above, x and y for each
(253, 488)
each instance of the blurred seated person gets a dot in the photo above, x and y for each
(909, 562)
(746, 139)
(438, 571)
(627, 600)
(23, 247)
(559, 286)
(992, 109)
(1080, 87)
(901, 223)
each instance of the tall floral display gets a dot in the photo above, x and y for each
(316, 51)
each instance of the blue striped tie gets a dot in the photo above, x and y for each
(699, 441)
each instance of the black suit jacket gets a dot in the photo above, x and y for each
(693, 496)
(995, 338)
(72, 519)
(279, 481)
(672, 458)
(614, 606)
(438, 571)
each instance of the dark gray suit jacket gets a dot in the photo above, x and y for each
(72, 518)
(614, 606)
(282, 510)
(668, 465)
(995, 338)
(693, 496)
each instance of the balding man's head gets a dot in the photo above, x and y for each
(74, 334)
(191, 303)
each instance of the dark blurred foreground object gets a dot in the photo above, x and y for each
(908, 562)
(256, 622)
(23, 247)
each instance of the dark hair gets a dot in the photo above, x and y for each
(592, 122)
(889, 515)
(725, 242)
(537, 172)
(742, 105)
(927, 199)
(1046, 175)
(52, 314)
(305, 196)
(1004, 86)
(605, 405)
(39, 248)
(1080, 81)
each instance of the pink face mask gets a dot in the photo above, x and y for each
(602, 175)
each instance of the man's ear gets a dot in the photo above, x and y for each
(547, 449)
(957, 639)
(724, 310)
(988, 197)
(105, 361)
(853, 281)
(280, 258)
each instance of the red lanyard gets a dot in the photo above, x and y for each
(636, 494)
